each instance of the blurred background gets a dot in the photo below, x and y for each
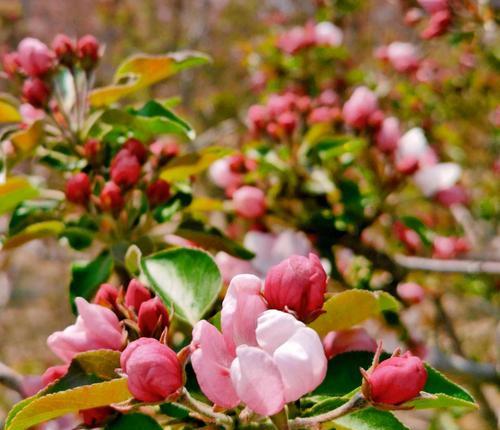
(214, 98)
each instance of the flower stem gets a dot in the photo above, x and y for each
(205, 410)
(357, 402)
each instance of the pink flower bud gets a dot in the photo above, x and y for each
(137, 149)
(158, 192)
(355, 339)
(106, 296)
(413, 16)
(452, 196)
(87, 50)
(288, 121)
(320, 115)
(397, 380)
(358, 109)
(153, 318)
(438, 25)
(91, 149)
(35, 58)
(443, 247)
(136, 294)
(407, 165)
(411, 292)
(409, 237)
(258, 116)
(125, 169)
(223, 176)
(297, 284)
(10, 62)
(111, 198)
(153, 370)
(54, 373)
(36, 92)
(328, 98)
(64, 48)
(404, 57)
(249, 202)
(328, 34)
(388, 135)
(78, 189)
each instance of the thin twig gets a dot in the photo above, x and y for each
(448, 266)
(11, 379)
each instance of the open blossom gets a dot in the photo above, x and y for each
(403, 56)
(359, 108)
(96, 327)
(297, 284)
(263, 358)
(153, 370)
(34, 57)
(354, 339)
(437, 178)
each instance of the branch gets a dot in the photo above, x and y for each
(11, 379)
(448, 266)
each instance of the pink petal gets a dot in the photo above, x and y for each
(240, 309)
(258, 381)
(211, 362)
(274, 328)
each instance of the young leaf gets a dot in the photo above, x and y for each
(141, 71)
(25, 140)
(349, 308)
(133, 421)
(41, 408)
(368, 419)
(187, 279)
(86, 276)
(34, 231)
(14, 191)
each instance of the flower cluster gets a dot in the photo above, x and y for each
(311, 35)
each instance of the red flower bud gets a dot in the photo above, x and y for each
(153, 318)
(111, 198)
(258, 117)
(411, 292)
(158, 192)
(91, 149)
(10, 62)
(136, 294)
(54, 373)
(288, 121)
(64, 48)
(453, 195)
(153, 370)
(96, 416)
(438, 25)
(87, 50)
(106, 295)
(297, 284)
(36, 92)
(125, 169)
(78, 189)
(396, 380)
(137, 149)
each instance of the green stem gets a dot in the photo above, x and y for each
(205, 410)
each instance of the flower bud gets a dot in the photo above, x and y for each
(87, 50)
(36, 92)
(136, 294)
(411, 292)
(153, 318)
(355, 339)
(288, 121)
(438, 25)
(249, 202)
(153, 370)
(91, 150)
(111, 198)
(358, 109)
(158, 192)
(388, 135)
(54, 373)
(78, 189)
(64, 48)
(396, 380)
(137, 149)
(297, 284)
(106, 296)
(403, 56)
(35, 58)
(453, 195)
(96, 417)
(258, 116)
(10, 62)
(443, 247)
(125, 169)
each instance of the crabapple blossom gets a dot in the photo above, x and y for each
(437, 178)
(388, 135)
(223, 176)
(328, 34)
(111, 198)
(403, 56)
(106, 296)
(152, 317)
(34, 57)
(158, 192)
(136, 295)
(125, 169)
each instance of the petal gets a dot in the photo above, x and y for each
(241, 307)
(211, 362)
(438, 177)
(69, 342)
(257, 381)
(302, 363)
(274, 328)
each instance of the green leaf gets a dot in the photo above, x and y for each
(41, 408)
(186, 165)
(212, 239)
(187, 279)
(86, 276)
(8, 111)
(14, 191)
(30, 212)
(334, 146)
(348, 308)
(78, 238)
(419, 227)
(60, 161)
(133, 260)
(141, 71)
(447, 392)
(368, 419)
(38, 230)
(26, 140)
(134, 421)
(175, 410)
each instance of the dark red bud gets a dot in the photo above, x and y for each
(78, 189)
(158, 192)
(36, 92)
(111, 198)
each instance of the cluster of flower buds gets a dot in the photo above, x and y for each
(34, 63)
(229, 172)
(312, 34)
(126, 172)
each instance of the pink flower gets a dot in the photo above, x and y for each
(35, 57)
(297, 284)
(438, 25)
(10, 63)
(263, 358)
(322, 114)
(249, 202)
(404, 57)
(152, 318)
(223, 176)
(78, 189)
(411, 292)
(453, 195)
(153, 370)
(288, 122)
(444, 247)
(297, 39)
(136, 294)
(396, 380)
(433, 6)
(355, 339)
(230, 266)
(30, 114)
(96, 327)
(328, 34)
(257, 117)
(360, 106)
(388, 135)
(437, 178)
